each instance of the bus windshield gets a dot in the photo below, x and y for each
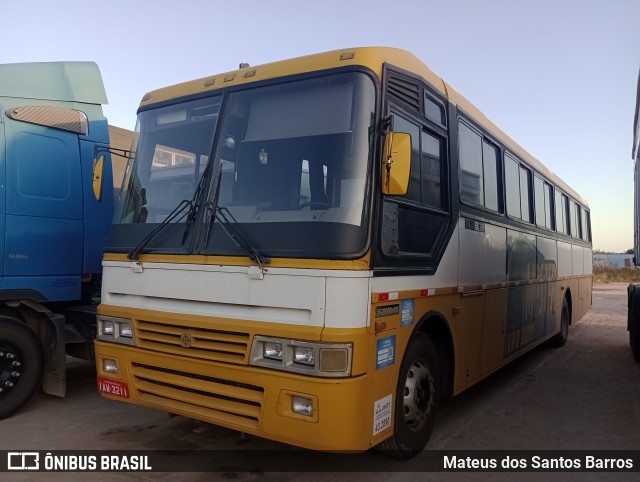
(293, 160)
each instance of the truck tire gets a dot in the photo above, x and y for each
(634, 339)
(21, 364)
(633, 322)
(416, 401)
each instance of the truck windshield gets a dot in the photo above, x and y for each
(293, 161)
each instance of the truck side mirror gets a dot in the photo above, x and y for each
(396, 164)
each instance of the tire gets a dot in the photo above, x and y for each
(634, 334)
(417, 399)
(560, 339)
(633, 320)
(21, 364)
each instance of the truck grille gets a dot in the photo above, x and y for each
(204, 397)
(193, 341)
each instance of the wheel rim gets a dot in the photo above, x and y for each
(11, 367)
(418, 395)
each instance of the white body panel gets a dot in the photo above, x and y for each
(578, 260)
(547, 258)
(284, 295)
(482, 255)
(565, 259)
(587, 256)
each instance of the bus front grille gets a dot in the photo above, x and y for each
(193, 341)
(199, 396)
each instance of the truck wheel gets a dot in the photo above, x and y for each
(634, 335)
(417, 399)
(21, 363)
(565, 318)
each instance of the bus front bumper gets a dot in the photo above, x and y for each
(311, 412)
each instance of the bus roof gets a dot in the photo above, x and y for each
(63, 81)
(373, 58)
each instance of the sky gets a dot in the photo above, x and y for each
(558, 76)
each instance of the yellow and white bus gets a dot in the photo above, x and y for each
(322, 250)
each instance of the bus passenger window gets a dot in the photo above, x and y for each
(538, 192)
(562, 216)
(478, 169)
(518, 185)
(470, 152)
(512, 184)
(548, 205)
(431, 170)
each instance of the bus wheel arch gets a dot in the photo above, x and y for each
(424, 380)
(436, 327)
(560, 339)
(568, 298)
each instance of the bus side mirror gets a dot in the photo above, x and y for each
(396, 164)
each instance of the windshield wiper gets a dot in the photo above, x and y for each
(194, 206)
(224, 217)
(135, 252)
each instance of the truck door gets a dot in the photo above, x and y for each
(43, 235)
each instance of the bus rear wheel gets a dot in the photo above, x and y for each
(21, 363)
(560, 339)
(417, 399)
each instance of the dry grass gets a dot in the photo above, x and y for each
(612, 274)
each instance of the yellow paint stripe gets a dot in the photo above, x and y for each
(356, 264)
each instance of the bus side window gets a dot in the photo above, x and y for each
(518, 184)
(413, 222)
(562, 215)
(478, 169)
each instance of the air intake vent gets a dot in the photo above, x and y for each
(56, 117)
(406, 91)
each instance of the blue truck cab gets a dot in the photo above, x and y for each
(56, 206)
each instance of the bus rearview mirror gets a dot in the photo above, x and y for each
(396, 163)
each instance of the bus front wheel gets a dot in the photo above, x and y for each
(417, 399)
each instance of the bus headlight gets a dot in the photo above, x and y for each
(316, 359)
(118, 330)
(305, 355)
(272, 350)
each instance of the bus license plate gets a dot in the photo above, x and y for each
(113, 387)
